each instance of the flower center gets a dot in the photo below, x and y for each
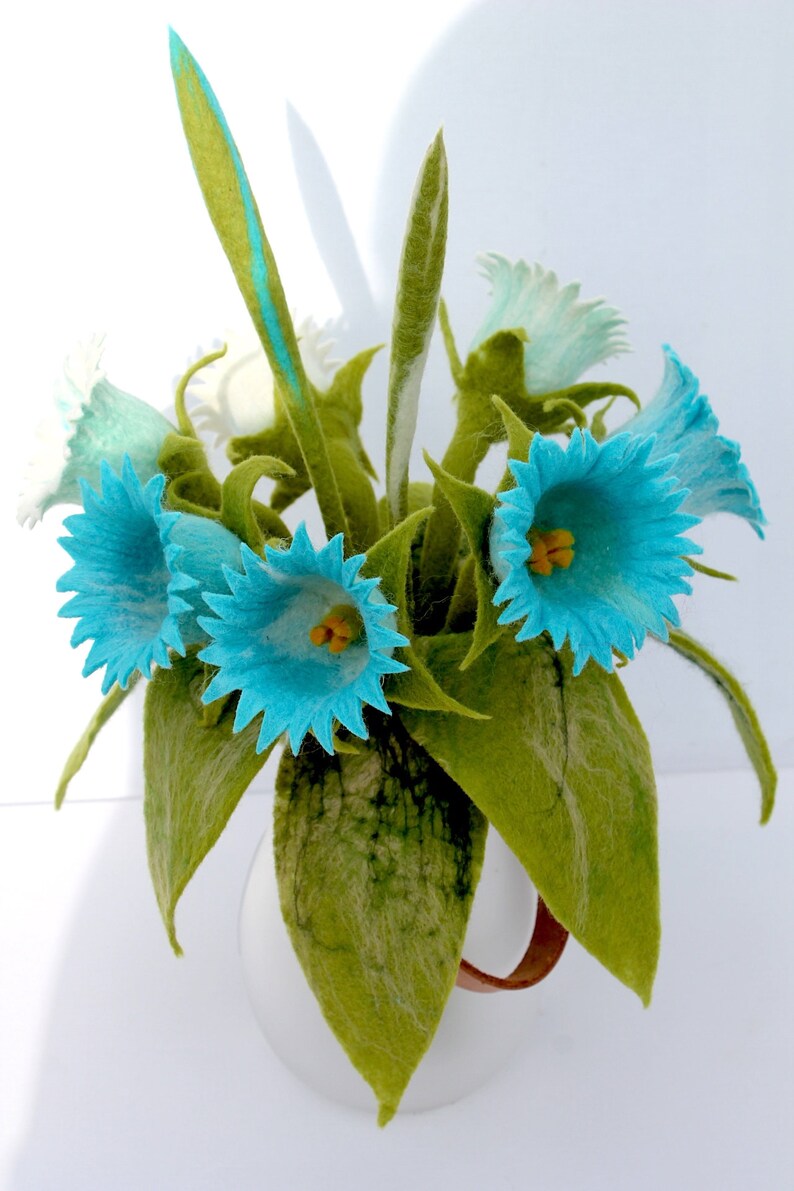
(550, 548)
(339, 628)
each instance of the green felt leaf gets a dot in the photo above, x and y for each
(455, 363)
(237, 511)
(563, 772)
(196, 492)
(702, 569)
(474, 510)
(587, 392)
(341, 408)
(377, 858)
(194, 777)
(519, 436)
(181, 453)
(74, 763)
(416, 304)
(742, 710)
(235, 216)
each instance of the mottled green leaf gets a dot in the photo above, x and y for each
(563, 772)
(415, 307)
(111, 702)
(377, 857)
(742, 710)
(194, 777)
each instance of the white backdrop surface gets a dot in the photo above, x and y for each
(643, 149)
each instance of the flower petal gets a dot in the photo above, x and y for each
(627, 553)
(565, 336)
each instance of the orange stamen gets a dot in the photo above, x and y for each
(550, 548)
(338, 629)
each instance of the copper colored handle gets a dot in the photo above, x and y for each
(545, 948)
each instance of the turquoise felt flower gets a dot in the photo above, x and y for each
(708, 465)
(140, 574)
(304, 639)
(91, 421)
(587, 546)
(565, 336)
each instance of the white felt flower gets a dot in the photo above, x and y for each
(90, 421)
(565, 337)
(236, 395)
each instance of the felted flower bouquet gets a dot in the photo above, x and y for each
(445, 659)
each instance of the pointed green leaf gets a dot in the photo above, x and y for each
(455, 363)
(235, 215)
(377, 858)
(113, 700)
(194, 778)
(474, 510)
(702, 569)
(742, 710)
(563, 772)
(416, 304)
(519, 435)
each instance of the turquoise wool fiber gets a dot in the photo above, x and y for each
(140, 575)
(565, 337)
(91, 421)
(262, 647)
(706, 463)
(622, 510)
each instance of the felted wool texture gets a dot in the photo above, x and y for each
(140, 574)
(628, 563)
(194, 777)
(684, 430)
(91, 421)
(235, 216)
(744, 715)
(415, 309)
(378, 855)
(563, 772)
(261, 644)
(565, 337)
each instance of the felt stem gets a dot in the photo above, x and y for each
(184, 422)
(466, 451)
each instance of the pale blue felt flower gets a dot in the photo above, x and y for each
(304, 639)
(140, 574)
(587, 546)
(91, 421)
(565, 336)
(684, 424)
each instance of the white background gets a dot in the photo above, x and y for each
(643, 148)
